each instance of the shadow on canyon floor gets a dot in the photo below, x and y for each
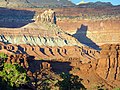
(80, 35)
(55, 71)
(11, 18)
(56, 66)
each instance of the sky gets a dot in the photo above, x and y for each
(114, 2)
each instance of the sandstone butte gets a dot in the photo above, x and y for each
(90, 46)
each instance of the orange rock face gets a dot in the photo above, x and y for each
(103, 70)
(71, 25)
(45, 52)
(96, 68)
(109, 63)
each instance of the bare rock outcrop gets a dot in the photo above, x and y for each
(22, 59)
(47, 52)
(47, 16)
(103, 71)
(97, 31)
(108, 66)
(38, 34)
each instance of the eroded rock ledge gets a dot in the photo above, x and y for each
(104, 71)
(68, 53)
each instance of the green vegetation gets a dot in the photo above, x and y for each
(99, 86)
(3, 56)
(2, 59)
(70, 82)
(45, 80)
(52, 81)
(12, 75)
(48, 83)
(116, 89)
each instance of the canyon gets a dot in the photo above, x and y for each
(77, 42)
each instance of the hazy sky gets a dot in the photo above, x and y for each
(114, 2)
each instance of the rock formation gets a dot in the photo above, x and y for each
(21, 59)
(105, 70)
(38, 34)
(97, 30)
(109, 62)
(47, 52)
(100, 69)
(46, 41)
(47, 16)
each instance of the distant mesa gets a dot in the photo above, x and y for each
(35, 3)
(82, 2)
(93, 5)
(50, 4)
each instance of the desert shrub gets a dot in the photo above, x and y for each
(49, 83)
(60, 82)
(3, 56)
(70, 82)
(46, 80)
(98, 87)
(116, 89)
(2, 59)
(13, 76)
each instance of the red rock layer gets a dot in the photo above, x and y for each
(71, 25)
(104, 71)
(44, 52)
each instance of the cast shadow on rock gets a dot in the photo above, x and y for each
(81, 36)
(57, 67)
(12, 18)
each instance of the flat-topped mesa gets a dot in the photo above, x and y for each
(47, 16)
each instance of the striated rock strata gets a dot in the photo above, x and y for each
(46, 52)
(104, 71)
